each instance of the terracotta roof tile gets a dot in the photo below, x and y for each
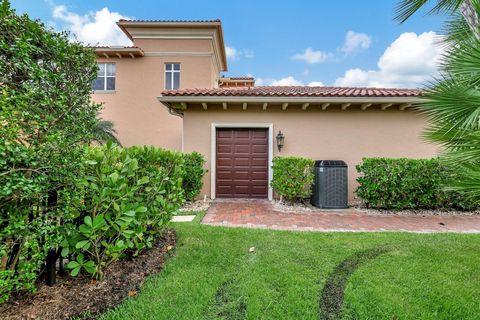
(296, 91)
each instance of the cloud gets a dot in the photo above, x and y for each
(356, 41)
(409, 61)
(287, 81)
(315, 84)
(94, 28)
(231, 53)
(234, 54)
(311, 56)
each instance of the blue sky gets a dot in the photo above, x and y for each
(280, 42)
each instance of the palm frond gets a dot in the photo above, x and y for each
(105, 131)
(407, 8)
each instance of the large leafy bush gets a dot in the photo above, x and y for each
(408, 184)
(46, 117)
(292, 178)
(130, 196)
(194, 172)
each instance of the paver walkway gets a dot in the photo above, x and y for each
(262, 214)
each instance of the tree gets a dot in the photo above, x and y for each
(46, 118)
(452, 102)
(105, 131)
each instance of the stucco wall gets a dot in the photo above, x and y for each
(332, 134)
(138, 116)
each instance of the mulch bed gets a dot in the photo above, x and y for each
(87, 298)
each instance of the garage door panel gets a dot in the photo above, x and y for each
(259, 175)
(224, 148)
(259, 149)
(242, 163)
(259, 134)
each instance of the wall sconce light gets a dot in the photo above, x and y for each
(280, 140)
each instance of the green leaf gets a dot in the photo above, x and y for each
(88, 221)
(84, 244)
(73, 264)
(65, 252)
(75, 271)
(141, 209)
(114, 177)
(129, 213)
(143, 180)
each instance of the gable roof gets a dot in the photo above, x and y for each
(294, 91)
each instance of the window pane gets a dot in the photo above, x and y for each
(168, 80)
(101, 69)
(176, 66)
(168, 66)
(111, 83)
(111, 68)
(176, 80)
(98, 84)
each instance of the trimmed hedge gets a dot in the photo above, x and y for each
(400, 183)
(292, 178)
(193, 177)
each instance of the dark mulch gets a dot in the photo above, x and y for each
(81, 296)
(331, 301)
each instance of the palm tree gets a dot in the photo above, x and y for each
(104, 131)
(467, 8)
(452, 102)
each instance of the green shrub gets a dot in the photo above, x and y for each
(292, 178)
(130, 196)
(46, 116)
(194, 172)
(407, 184)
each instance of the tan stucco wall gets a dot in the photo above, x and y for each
(333, 134)
(138, 116)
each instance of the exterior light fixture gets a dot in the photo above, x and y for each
(280, 140)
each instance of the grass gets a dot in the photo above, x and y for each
(214, 276)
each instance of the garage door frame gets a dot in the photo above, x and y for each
(213, 148)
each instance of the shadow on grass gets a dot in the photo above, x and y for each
(331, 301)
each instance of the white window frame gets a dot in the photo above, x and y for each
(173, 75)
(213, 151)
(105, 76)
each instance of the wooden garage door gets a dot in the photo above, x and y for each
(242, 163)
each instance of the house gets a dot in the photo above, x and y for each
(234, 123)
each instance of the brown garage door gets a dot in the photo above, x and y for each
(242, 163)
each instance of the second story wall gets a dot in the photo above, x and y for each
(193, 57)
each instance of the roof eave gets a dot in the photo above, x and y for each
(295, 99)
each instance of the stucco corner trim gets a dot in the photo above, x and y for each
(213, 151)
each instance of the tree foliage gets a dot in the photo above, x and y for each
(46, 117)
(452, 102)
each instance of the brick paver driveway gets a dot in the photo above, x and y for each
(261, 214)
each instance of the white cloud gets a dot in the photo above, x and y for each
(315, 84)
(287, 81)
(356, 41)
(409, 61)
(94, 28)
(231, 53)
(311, 56)
(234, 54)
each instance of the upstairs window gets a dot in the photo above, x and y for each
(106, 77)
(172, 76)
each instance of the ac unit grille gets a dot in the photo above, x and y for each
(330, 189)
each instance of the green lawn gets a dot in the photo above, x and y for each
(213, 276)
